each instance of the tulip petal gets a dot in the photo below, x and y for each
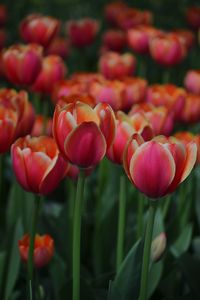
(84, 113)
(85, 146)
(191, 158)
(152, 169)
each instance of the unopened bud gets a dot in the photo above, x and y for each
(158, 247)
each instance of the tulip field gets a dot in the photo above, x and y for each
(99, 150)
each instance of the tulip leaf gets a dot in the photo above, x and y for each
(182, 243)
(13, 261)
(154, 277)
(2, 260)
(127, 282)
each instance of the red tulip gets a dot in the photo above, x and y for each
(112, 10)
(134, 91)
(86, 78)
(192, 81)
(168, 95)
(187, 37)
(18, 59)
(59, 46)
(3, 37)
(115, 66)
(43, 249)
(108, 92)
(3, 14)
(167, 50)
(193, 16)
(114, 40)
(42, 126)
(84, 98)
(156, 168)
(37, 164)
(74, 171)
(139, 38)
(83, 32)
(126, 127)
(53, 70)
(161, 120)
(132, 17)
(191, 111)
(39, 29)
(82, 133)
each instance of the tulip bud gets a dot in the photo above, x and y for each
(158, 247)
(43, 249)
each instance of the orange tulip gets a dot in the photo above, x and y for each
(43, 249)
(39, 29)
(37, 164)
(18, 59)
(83, 134)
(157, 167)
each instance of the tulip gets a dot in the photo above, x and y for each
(114, 40)
(187, 37)
(87, 78)
(115, 66)
(43, 249)
(84, 98)
(167, 50)
(161, 120)
(3, 14)
(83, 32)
(157, 168)
(37, 164)
(18, 59)
(191, 111)
(139, 38)
(39, 29)
(168, 95)
(77, 124)
(192, 81)
(53, 70)
(193, 16)
(59, 46)
(112, 10)
(126, 126)
(158, 247)
(42, 126)
(134, 91)
(108, 92)
(132, 17)
(3, 38)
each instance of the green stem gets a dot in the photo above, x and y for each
(166, 206)
(140, 213)
(77, 236)
(146, 252)
(31, 246)
(121, 221)
(166, 75)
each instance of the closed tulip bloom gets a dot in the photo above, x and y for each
(86, 78)
(114, 40)
(139, 37)
(193, 16)
(187, 37)
(108, 91)
(115, 66)
(157, 167)
(132, 17)
(18, 59)
(27, 118)
(39, 29)
(158, 247)
(192, 81)
(43, 249)
(112, 10)
(53, 70)
(42, 125)
(161, 120)
(168, 95)
(3, 14)
(126, 127)
(83, 134)
(167, 50)
(59, 46)
(84, 98)
(37, 164)
(82, 32)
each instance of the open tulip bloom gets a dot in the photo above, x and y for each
(156, 168)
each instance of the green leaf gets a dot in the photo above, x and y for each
(127, 282)
(183, 242)
(2, 261)
(154, 277)
(14, 261)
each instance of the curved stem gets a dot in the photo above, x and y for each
(77, 236)
(121, 221)
(146, 252)
(31, 245)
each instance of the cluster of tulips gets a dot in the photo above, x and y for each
(57, 127)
